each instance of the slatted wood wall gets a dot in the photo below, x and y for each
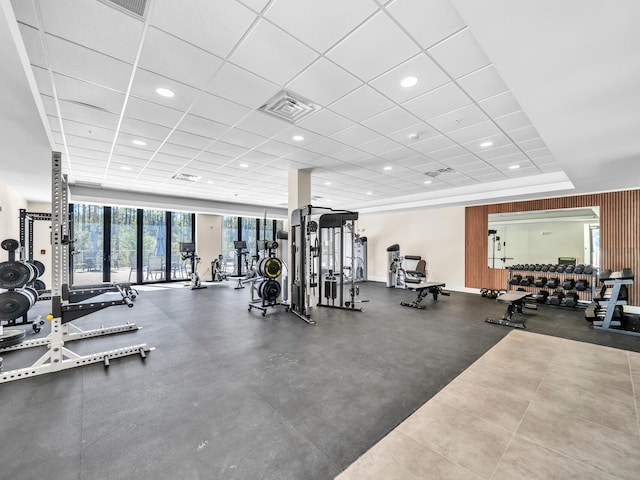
(619, 234)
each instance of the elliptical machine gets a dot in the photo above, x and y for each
(188, 252)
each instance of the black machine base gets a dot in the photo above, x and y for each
(515, 302)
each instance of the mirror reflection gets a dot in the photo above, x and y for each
(544, 237)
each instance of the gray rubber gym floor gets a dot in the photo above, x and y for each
(232, 394)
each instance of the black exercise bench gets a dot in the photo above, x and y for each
(515, 303)
(423, 289)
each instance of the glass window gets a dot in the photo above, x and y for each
(154, 245)
(88, 247)
(181, 232)
(124, 244)
(229, 235)
(250, 234)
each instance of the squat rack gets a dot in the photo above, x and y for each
(58, 357)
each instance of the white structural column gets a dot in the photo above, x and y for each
(299, 189)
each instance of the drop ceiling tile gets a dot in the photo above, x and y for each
(437, 102)
(137, 127)
(476, 134)
(43, 81)
(379, 145)
(277, 149)
(550, 168)
(501, 104)
(174, 58)
(241, 86)
(326, 146)
(226, 149)
(351, 155)
(202, 126)
(461, 118)
(89, 116)
(131, 151)
(190, 140)
(548, 160)
(213, 158)
(465, 162)
(422, 130)
(218, 109)
(76, 90)
(498, 140)
(49, 107)
(513, 158)
(428, 22)
(513, 121)
(262, 124)
(323, 83)
(373, 48)
(483, 83)
(319, 24)
(493, 177)
(79, 62)
(287, 137)
(31, 39)
(447, 153)
(459, 54)
(325, 122)
(397, 154)
(542, 152)
(145, 84)
(96, 26)
(496, 152)
(272, 54)
(522, 134)
(87, 153)
(242, 139)
(78, 129)
(391, 121)
(533, 144)
(429, 76)
(181, 153)
(24, 12)
(145, 110)
(217, 27)
(361, 104)
(432, 144)
(256, 159)
(355, 135)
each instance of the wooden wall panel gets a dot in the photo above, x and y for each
(619, 234)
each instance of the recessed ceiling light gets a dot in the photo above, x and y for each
(138, 142)
(327, 183)
(298, 138)
(408, 82)
(413, 136)
(369, 193)
(125, 167)
(486, 144)
(514, 167)
(427, 181)
(388, 168)
(165, 92)
(210, 182)
(244, 165)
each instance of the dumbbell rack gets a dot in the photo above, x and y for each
(609, 305)
(584, 297)
(58, 357)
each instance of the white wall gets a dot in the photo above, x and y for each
(42, 239)
(208, 241)
(436, 234)
(10, 204)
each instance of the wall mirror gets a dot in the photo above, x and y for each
(544, 236)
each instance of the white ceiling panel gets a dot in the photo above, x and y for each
(277, 149)
(437, 102)
(72, 89)
(226, 149)
(429, 76)
(91, 133)
(80, 62)
(498, 140)
(173, 58)
(24, 12)
(511, 159)
(186, 139)
(43, 80)
(540, 153)
(241, 86)
(218, 109)
(171, 149)
(202, 126)
(427, 21)
(33, 45)
(397, 154)
(499, 105)
(98, 26)
(136, 127)
(447, 153)
(326, 146)
(432, 144)
(272, 54)
(316, 23)
(287, 137)
(465, 162)
(462, 117)
(89, 116)
(325, 122)
(262, 124)
(355, 135)
(212, 159)
(533, 144)
(483, 83)
(374, 48)
(361, 104)
(92, 144)
(217, 27)
(459, 54)
(479, 131)
(131, 151)
(526, 133)
(492, 153)
(79, 152)
(391, 121)
(406, 136)
(379, 145)
(351, 155)
(545, 160)
(323, 83)
(145, 84)
(242, 139)
(161, 115)
(513, 121)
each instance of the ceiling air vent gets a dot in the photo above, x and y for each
(137, 7)
(435, 173)
(186, 177)
(287, 106)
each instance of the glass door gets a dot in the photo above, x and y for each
(88, 259)
(124, 244)
(154, 245)
(181, 232)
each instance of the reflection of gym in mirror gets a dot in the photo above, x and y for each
(542, 237)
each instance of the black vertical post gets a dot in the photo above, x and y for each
(106, 244)
(167, 245)
(139, 235)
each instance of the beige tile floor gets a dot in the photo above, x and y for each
(532, 407)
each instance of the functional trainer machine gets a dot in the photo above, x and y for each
(58, 356)
(321, 241)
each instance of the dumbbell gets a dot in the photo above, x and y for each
(556, 298)
(552, 268)
(540, 281)
(571, 299)
(545, 268)
(579, 269)
(560, 269)
(552, 282)
(541, 296)
(588, 270)
(569, 269)
(515, 280)
(582, 285)
(526, 281)
(568, 284)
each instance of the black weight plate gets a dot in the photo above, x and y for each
(14, 305)
(11, 336)
(10, 245)
(15, 274)
(39, 285)
(40, 268)
(32, 294)
(269, 290)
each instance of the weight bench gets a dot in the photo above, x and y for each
(423, 289)
(515, 302)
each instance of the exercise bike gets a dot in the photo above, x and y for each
(188, 252)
